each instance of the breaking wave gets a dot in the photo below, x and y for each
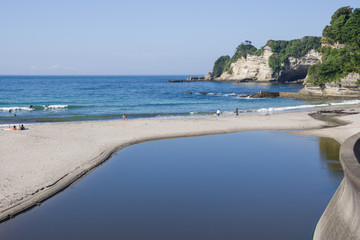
(277, 109)
(33, 108)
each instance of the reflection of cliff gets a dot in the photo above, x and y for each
(329, 153)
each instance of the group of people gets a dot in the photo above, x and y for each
(218, 112)
(20, 127)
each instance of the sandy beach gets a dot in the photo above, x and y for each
(46, 158)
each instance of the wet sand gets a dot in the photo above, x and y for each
(46, 158)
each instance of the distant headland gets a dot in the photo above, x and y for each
(328, 66)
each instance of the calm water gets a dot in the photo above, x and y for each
(73, 98)
(254, 185)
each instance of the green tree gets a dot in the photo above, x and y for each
(336, 63)
(219, 65)
(282, 50)
(223, 63)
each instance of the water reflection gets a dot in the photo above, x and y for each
(248, 185)
(329, 150)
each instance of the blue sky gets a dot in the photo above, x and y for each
(137, 37)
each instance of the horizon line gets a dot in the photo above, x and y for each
(71, 75)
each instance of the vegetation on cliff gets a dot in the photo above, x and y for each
(297, 48)
(223, 63)
(338, 62)
(282, 50)
(219, 65)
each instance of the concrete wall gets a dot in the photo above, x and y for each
(341, 219)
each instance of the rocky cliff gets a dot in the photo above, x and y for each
(253, 68)
(257, 68)
(338, 72)
(296, 69)
(347, 87)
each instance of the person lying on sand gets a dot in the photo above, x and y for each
(20, 127)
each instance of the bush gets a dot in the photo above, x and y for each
(337, 63)
(223, 64)
(282, 50)
(219, 65)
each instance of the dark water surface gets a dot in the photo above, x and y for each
(249, 185)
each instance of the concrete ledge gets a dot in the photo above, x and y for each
(341, 219)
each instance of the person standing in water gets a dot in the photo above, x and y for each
(237, 112)
(218, 112)
(124, 117)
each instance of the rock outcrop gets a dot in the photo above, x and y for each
(347, 87)
(257, 68)
(194, 79)
(253, 68)
(296, 69)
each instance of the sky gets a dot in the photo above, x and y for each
(137, 37)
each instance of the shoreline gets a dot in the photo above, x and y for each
(49, 157)
(306, 106)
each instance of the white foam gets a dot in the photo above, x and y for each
(307, 106)
(7, 109)
(230, 94)
(250, 98)
(228, 113)
(55, 106)
(349, 102)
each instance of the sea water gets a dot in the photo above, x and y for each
(82, 98)
(247, 185)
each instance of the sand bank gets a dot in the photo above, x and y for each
(46, 158)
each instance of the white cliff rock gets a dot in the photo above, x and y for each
(308, 60)
(297, 68)
(346, 87)
(256, 68)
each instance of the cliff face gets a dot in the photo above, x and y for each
(256, 68)
(296, 69)
(347, 87)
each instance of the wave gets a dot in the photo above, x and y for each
(54, 106)
(32, 108)
(213, 94)
(349, 102)
(275, 109)
(14, 109)
(230, 94)
(234, 95)
(87, 115)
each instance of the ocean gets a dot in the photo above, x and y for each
(84, 98)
